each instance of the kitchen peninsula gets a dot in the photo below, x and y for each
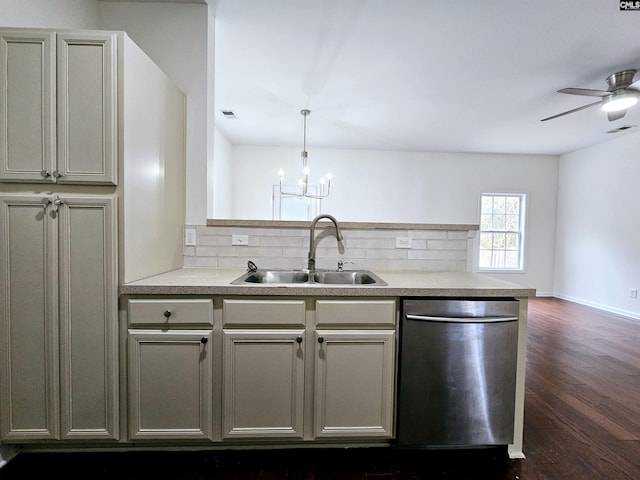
(257, 336)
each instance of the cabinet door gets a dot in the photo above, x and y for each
(170, 384)
(354, 383)
(263, 383)
(86, 108)
(88, 317)
(27, 105)
(28, 321)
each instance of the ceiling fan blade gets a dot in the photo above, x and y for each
(571, 111)
(585, 91)
(616, 115)
(635, 85)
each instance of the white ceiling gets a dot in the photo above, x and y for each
(422, 75)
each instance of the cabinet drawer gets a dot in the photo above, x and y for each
(356, 312)
(170, 311)
(263, 312)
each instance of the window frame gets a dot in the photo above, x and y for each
(522, 219)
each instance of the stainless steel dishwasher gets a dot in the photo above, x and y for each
(457, 373)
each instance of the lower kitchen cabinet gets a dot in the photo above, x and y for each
(263, 383)
(58, 323)
(263, 368)
(170, 384)
(348, 375)
(354, 383)
(170, 357)
(354, 368)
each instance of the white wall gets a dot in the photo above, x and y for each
(176, 37)
(49, 14)
(421, 187)
(222, 174)
(598, 233)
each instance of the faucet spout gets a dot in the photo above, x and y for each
(311, 265)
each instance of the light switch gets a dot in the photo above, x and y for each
(239, 239)
(190, 236)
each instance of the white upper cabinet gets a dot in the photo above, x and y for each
(58, 107)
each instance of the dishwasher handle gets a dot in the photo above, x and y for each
(429, 318)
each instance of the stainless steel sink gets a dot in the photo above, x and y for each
(273, 276)
(300, 277)
(348, 277)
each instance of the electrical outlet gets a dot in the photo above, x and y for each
(403, 242)
(190, 236)
(633, 292)
(239, 239)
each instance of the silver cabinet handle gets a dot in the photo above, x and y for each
(44, 174)
(57, 203)
(57, 174)
(46, 202)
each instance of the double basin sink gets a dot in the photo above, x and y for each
(318, 277)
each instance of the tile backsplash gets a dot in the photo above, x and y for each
(362, 248)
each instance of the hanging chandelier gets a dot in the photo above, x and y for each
(303, 190)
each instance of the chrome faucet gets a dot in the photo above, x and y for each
(311, 266)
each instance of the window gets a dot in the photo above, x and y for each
(501, 231)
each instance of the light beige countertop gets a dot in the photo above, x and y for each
(217, 281)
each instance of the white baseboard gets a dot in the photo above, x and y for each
(544, 294)
(599, 306)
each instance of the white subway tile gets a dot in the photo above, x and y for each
(447, 244)
(372, 243)
(437, 254)
(457, 235)
(432, 250)
(200, 262)
(387, 253)
(419, 244)
(426, 234)
(282, 241)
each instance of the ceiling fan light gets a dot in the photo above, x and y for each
(619, 102)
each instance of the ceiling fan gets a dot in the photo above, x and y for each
(622, 94)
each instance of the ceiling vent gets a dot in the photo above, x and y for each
(229, 114)
(622, 129)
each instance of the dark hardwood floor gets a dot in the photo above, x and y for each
(582, 421)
